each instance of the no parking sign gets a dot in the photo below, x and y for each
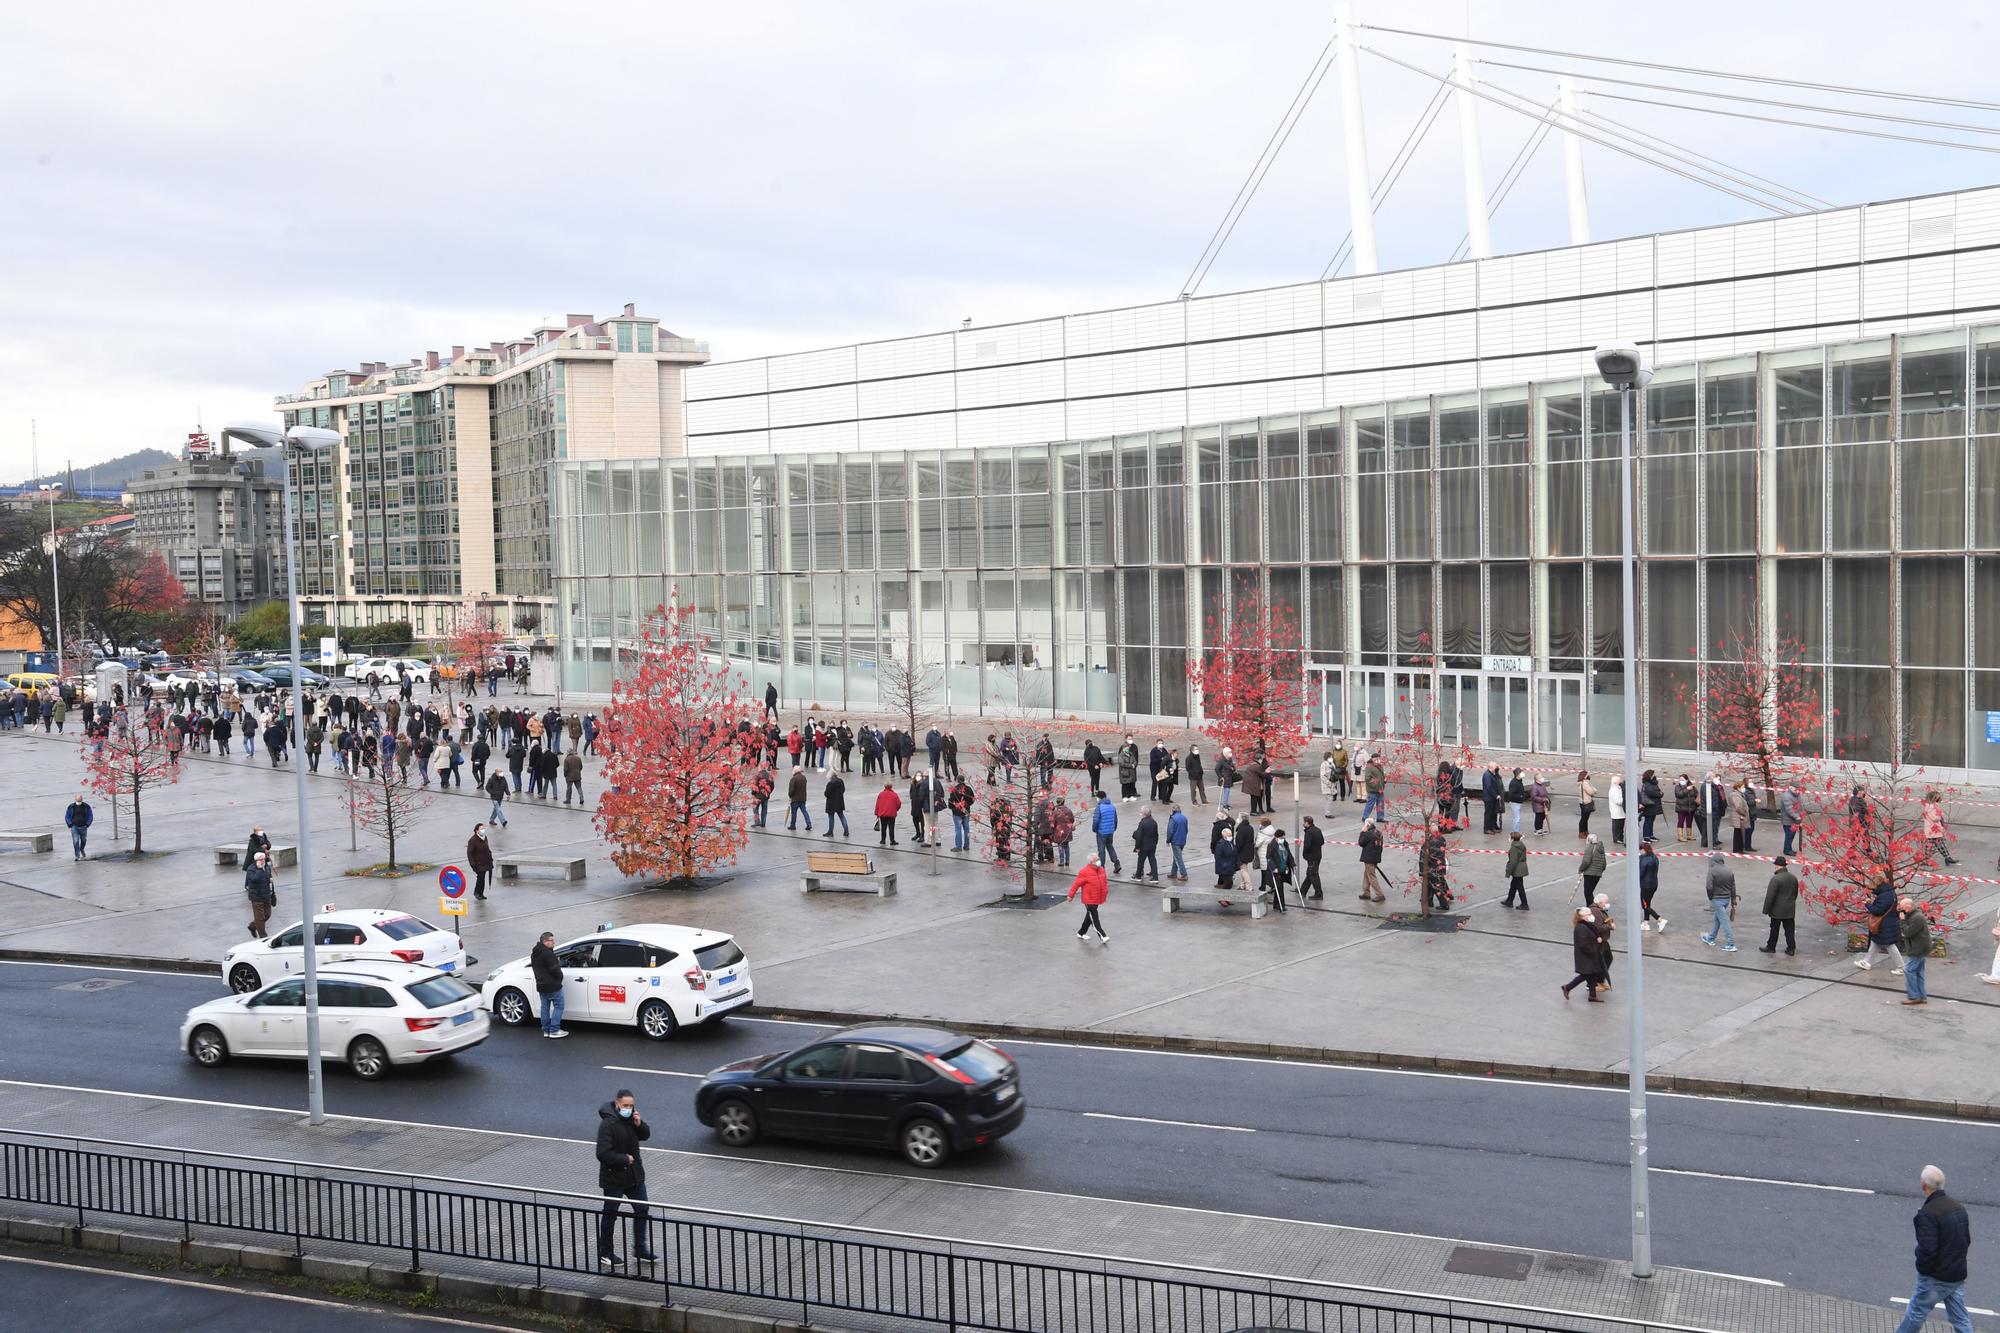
(451, 883)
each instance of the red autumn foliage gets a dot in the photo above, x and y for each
(1250, 680)
(152, 587)
(670, 805)
(472, 647)
(127, 762)
(1851, 846)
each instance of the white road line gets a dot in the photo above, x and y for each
(92, 967)
(1736, 1277)
(1758, 1180)
(663, 1073)
(1970, 1309)
(254, 1293)
(1151, 1120)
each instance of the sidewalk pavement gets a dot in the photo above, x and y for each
(1387, 1267)
(1338, 981)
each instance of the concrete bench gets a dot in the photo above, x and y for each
(572, 867)
(34, 842)
(1257, 899)
(282, 854)
(845, 872)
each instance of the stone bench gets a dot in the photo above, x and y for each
(572, 867)
(845, 872)
(282, 854)
(1257, 899)
(34, 842)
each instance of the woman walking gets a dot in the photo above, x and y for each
(1538, 801)
(1686, 798)
(1936, 839)
(1649, 884)
(1517, 873)
(1586, 802)
(1091, 884)
(1583, 954)
(1650, 803)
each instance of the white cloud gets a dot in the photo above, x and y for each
(211, 208)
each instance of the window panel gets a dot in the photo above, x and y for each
(1860, 597)
(1859, 392)
(1801, 499)
(1986, 611)
(1415, 627)
(1933, 400)
(1731, 483)
(1932, 485)
(1326, 615)
(1932, 606)
(1458, 514)
(1508, 523)
(1730, 604)
(1934, 717)
(1671, 505)
(1510, 619)
(1413, 516)
(1459, 640)
(1801, 611)
(1858, 487)
(1564, 511)
(1670, 609)
(1565, 613)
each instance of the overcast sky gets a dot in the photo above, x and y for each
(201, 207)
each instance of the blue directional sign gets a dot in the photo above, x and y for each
(451, 881)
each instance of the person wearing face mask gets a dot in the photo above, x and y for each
(479, 855)
(621, 1175)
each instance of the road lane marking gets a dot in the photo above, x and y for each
(1758, 1180)
(1970, 1309)
(663, 1073)
(253, 1293)
(1735, 1277)
(1152, 1120)
(136, 971)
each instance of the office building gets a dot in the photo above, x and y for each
(218, 522)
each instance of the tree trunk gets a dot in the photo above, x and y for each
(138, 841)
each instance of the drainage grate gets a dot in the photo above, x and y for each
(1509, 1264)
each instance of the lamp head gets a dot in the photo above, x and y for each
(312, 437)
(1623, 365)
(256, 434)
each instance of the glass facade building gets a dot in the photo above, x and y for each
(1844, 495)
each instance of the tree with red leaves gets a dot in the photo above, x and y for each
(1765, 718)
(1865, 823)
(385, 802)
(128, 761)
(209, 644)
(1421, 796)
(671, 803)
(472, 647)
(152, 587)
(1251, 682)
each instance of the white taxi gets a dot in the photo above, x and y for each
(356, 935)
(371, 1015)
(657, 978)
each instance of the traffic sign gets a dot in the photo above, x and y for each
(451, 907)
(451, 882)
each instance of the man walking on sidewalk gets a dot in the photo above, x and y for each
(1721, 887)
(548, 983)
(1177, 836)
(77, 816)
(795, 796)
(1944, 1243)
(1091, 883)
(887, 806)
(263, 897)
(1916, 931)
(1146, 847)
(1104, 823)
(621, 1175)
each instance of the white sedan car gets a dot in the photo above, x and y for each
(658, 978)
(356, 935)
(384, 670)
(371, 1015)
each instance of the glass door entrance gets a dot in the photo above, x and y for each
(1507, 712)
(1559, 714)
(1458, 717)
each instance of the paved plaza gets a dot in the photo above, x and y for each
(1337, 980)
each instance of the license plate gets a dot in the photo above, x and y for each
(447, 967)
(465, 1017)
(1007, 1094)
(729, 980)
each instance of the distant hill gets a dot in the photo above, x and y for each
(111, 475)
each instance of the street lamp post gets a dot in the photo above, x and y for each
(55, 578)
(300, 438)
(1626, 369)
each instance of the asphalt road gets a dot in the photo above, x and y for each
(1817, 1198)
(46, 1292)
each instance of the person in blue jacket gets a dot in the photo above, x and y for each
(1104, 823)
(1177, 836)
(77, 815)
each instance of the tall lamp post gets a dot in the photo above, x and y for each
(302, 439)
(55, 577)
(1625, 368)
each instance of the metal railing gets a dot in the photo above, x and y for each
(779, 1266)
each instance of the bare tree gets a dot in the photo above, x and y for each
(910, 692)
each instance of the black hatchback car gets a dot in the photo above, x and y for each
(928, 1091)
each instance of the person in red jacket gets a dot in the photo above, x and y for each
(1092, 884)
(887, 806)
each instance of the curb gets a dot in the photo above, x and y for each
(1325, 1055)
(1329, 1055)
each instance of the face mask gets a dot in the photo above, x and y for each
(625, 1113)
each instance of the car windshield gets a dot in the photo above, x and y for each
(978, 1060)
(437, 992)
(404, 927)
(715, 957)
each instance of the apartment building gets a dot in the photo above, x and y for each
(218, 522)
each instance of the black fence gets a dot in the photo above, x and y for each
(703, 1260)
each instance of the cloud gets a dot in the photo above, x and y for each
(213, 212)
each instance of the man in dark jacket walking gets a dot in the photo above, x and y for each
(836, 804)
(258, 889)
(1781, 904)
(621, 1175)
(1944, 1243)
(548, 983)
(77, 816)
(479, 857)
(1312, 845)
(1146, 848)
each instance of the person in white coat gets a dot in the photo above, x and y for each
(1618, 811)
(1992, 977)
(1330, 776)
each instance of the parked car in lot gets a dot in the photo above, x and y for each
(383, 670)
(355, 935)
(659, 978)
(372, 1016)
(184, 676)
(927, 1091)
(245, 681)
(280, 674)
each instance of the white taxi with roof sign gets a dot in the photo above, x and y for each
(361, 934)
(657, 978)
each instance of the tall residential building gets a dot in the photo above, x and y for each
(219, 524)
(438, 492)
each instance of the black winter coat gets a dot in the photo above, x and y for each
(836, 795)
(1944, 1238)
(1146, 837)
(1371, 847)
(618, 1162)
(1311, 844)
(548, 968)
(1585, 953)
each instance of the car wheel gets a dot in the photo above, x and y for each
(736, 1123)
(367, 1059)
(511, 1007)
(243, 979)
(924, 1143)
(208, 1048)
(656, 1020)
